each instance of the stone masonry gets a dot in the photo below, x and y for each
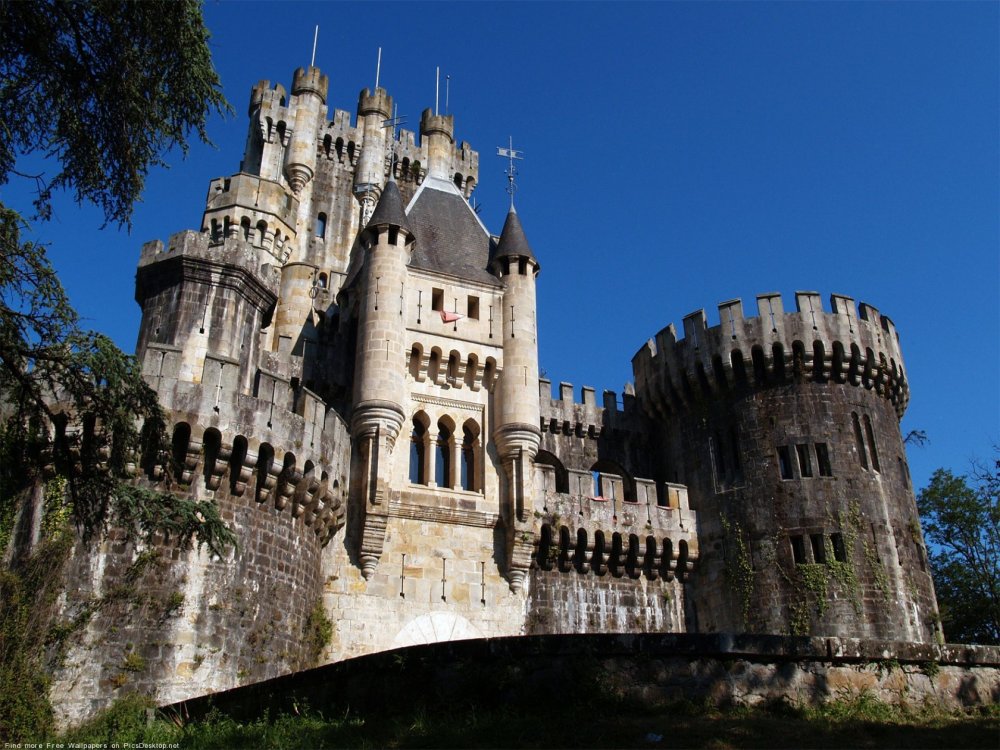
(348, 359)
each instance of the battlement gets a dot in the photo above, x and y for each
(284, 423)
(262, 94)
(196, 246)
(602, 534)
(260, 210)
(432, 124)
(310, 81)
(377, 103)
(584, 417)
(847, 345)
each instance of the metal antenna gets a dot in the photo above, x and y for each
(393, 125)
(437, 87)
(447, 85)
(511, 155)
(378, 68)
(312, 63)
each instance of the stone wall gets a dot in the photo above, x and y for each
(653, 670)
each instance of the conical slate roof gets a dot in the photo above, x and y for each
(513, 243)
(390, 209)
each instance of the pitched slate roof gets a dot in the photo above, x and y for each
(449, 236)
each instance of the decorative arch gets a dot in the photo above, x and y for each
(544, 458)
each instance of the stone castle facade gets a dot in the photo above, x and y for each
(348, 359)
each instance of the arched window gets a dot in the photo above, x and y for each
(442, 456)
(321, 226)
(245, 224)
(470, 431)
(418, 448)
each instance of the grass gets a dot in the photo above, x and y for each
(858, 722)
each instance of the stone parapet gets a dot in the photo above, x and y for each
(847, 346)
(653, 669)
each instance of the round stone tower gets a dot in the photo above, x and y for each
(516, 409)
(379, 375)
(374, 108)
(785, 427)
(438, 131)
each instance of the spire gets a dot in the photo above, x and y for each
(512, 242)
(390, 208)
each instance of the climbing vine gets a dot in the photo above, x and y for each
(856, 524)
(738, 567)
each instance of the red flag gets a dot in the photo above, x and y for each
(448, 317)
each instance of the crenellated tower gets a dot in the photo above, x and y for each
(785, 429)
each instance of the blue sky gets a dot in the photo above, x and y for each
(677, 155)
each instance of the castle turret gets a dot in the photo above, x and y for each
(379, 375)
(785, 428)
(438, 133)
(516, 422)
(309, 87)
(374, 109)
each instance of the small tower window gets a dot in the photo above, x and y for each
(860, 441)
(473, 308)
(805, 461)
(818, 547)
(798, 549)
(321, 226)
(871, 443)
(839, 549)
(823, 460)
(784, 462)
(437, 300)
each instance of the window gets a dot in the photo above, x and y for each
(798, 549)
(321, 226)
(871, 443)
(860, 441)
(718, 451)
(805, 461)
(468, 459)
(784, 462)
(442, 456)
(473, 308)
(418, 444)
(839, 550)
(818, 548)
(437, 299)
(823, 460)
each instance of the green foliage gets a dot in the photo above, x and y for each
(27, 594)
(859, 720)
(104, 89)
(317, 632)
(961, 520)
(107, 88)
(133, 662)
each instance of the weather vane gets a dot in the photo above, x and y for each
(511, 153)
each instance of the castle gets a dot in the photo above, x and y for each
(348, 360)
